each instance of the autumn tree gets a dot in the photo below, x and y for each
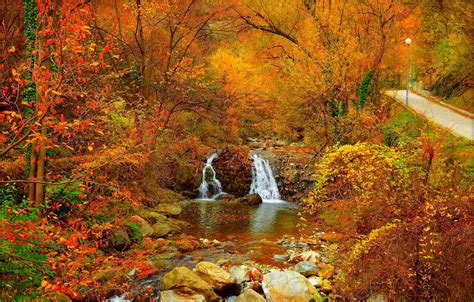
(61, 86)
(332, 53)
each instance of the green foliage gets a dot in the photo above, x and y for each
(31, 28)
(337, 110)
(364, 90)
(23, 249)
(62, 199)
(404, 127)
(354, 181)
(8, 194)
(135, 232)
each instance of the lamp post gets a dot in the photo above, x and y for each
(407, 42)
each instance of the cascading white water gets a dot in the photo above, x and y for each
(263, 181)
(216, 184)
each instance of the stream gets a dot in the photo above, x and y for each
(235, 233)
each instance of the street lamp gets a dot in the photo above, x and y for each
(407, 42)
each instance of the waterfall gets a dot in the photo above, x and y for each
(263, 181)
(216, 184)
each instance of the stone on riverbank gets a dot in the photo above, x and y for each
(172, 296)
(240, 273)
(306, 268)
(225, 197)
(219, 279)
(251, 199)
(160, 229)
(184, 281)
(105, 275)
(250, 295)
(288, 286)
(168, 209)
(145, 227)
(119, 239)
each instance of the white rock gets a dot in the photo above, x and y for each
(240, 273)
(288, 286)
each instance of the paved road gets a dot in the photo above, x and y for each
(457, 123)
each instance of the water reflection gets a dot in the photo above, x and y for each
(221, 220)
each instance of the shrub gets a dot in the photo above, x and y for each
(407, 224)
(360, 180)
(23, 248)
(61, 200)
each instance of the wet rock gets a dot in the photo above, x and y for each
(288, 286)
(161, 261)
(250, 295)
(168, 209)
(119, 239)
(251, 199)
(176, 225)
(219, 279)
(240, 273)
(105, 275)
(225, 197)
(154, 216)
(172, 296)
(306, 268)
(280, 258)
(311, 256)
(145, 227)
(254, 285)
(184, 281)
(160, 229)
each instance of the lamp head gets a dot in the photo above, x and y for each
(407, 41)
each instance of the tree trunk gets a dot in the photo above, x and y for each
(39, 188)
(32, 174)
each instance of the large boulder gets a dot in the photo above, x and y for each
(119, 239)
(219, 279)
(234, 170)
(154, 216)
(225, 197)
(172, 296)
(160, 229)
(306, 268)
(251, 199)
(145, 228)
(249, 295)
(240, 273)
(184, 281)
(105, 275)
(288, 286)
(177, 225)
(168, 209)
